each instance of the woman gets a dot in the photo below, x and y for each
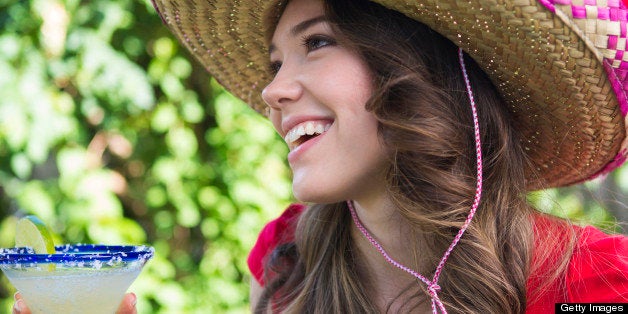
(414, 159)
(390, 165)
(399, 143)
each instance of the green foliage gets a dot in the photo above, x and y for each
(110, 134)
(600, 202)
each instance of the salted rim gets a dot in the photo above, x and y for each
(78, 253)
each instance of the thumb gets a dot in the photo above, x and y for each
(19, 307)
(128, 304)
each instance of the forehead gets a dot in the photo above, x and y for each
(288, 13)
(298, 10)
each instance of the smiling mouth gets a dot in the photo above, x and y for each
(304, 132)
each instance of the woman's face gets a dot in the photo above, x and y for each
(317, 103)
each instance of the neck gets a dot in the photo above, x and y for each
(385, 223)
(381, 219)
(389, 285)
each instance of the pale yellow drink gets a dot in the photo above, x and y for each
(77, 279)
(72, 291)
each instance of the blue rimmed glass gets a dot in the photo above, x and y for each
(78, 278)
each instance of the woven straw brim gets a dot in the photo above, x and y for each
(554, 84)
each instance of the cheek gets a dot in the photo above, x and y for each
(356, 89)
(372, 140)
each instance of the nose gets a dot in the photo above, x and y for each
(284, 89)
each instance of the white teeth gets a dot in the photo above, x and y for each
(320, 129)
(307, 128)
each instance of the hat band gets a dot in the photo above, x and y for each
(606, 38)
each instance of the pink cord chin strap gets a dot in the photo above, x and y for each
(432, 285)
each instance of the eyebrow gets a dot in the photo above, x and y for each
(301, 27)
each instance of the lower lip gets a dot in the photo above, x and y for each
(296, 153)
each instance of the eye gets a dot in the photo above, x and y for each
(314, 42)
(274, 67)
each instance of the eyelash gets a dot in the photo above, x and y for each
(274, 67)
(311, 43)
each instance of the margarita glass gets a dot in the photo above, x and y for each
(78, 278)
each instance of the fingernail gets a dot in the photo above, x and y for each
(133, 299)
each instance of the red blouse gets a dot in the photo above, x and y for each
(597, 271)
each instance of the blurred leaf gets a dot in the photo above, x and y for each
(111, 133)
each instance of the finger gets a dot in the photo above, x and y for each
(19, 306)
(128, 304)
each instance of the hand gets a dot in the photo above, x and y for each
(126, 307)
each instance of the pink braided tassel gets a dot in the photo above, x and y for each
(432, 285)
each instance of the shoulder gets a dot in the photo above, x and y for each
(598, 270)
(276, 232)
(575, 264)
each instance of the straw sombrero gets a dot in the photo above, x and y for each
(561, 65)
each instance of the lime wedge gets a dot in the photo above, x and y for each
(32, 232)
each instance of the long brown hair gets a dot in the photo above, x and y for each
(425, 122)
